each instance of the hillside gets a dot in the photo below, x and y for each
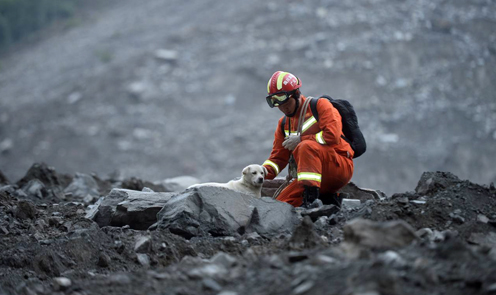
(96, 96)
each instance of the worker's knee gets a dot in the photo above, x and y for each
(307, 146)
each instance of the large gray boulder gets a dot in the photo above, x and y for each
(219, 211)
(128, 207)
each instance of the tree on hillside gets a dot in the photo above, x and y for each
(19, 18)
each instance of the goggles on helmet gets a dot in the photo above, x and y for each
(279, 98)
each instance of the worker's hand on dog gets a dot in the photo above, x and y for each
(291, 142)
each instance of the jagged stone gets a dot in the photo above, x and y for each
(25, 210)
(432, 182)
(224, 259)
(143, 244)
(89, 199)
(362, 194)
(103, 260)
(92, 210)
(48, 263)
(208, 271)
(379, 235)
(271, 217)
(128, 207)
(139, 209)
(137, 184)
(61, 283)
(315, 213)
(222, 212)
(81, 186)
(204, 210)
(304, 236)
(44, 173)
(35, 188)
(212, 285)
(143, 259)
(482, 218)
(350, 203)
(105, 208)
(392, 258)
(13, 191)
(104, 186)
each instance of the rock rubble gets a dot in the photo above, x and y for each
(215, 241)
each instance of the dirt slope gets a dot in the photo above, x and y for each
(94, 97)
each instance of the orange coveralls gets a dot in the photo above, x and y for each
(324, 159)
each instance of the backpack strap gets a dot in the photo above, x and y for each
(315, 113)
(313, 107)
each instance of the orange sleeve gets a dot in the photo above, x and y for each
(279, 156)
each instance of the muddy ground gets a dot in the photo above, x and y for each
(95, 94)
(439, 238)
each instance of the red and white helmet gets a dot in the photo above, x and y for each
(282, 82)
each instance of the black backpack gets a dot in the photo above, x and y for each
(352, 133)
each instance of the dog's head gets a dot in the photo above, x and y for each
(254, 174)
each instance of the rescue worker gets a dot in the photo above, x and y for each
(323, 158)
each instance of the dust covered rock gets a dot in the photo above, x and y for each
(138, 209)
(223, 212)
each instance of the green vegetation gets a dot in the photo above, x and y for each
(104, 55)
(19, 18)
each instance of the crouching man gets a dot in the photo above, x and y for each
(324, 160)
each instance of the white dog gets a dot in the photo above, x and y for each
(251, 181)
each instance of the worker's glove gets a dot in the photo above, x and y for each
(291, 142)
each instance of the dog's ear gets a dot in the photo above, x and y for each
(265, 170)
(246, 170)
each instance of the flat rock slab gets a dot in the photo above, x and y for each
(351, 190)
(219, 211)
(129, 207)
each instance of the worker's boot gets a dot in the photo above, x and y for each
(332, 199)
(310, 197)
